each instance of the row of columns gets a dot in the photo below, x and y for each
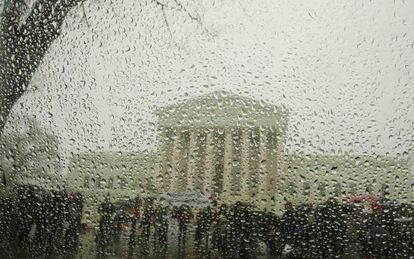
(183, 162)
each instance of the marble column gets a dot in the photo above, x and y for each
(228, 168)
(164, 177)
(263, 169)
(175, 160)
(183, 160)
(209, 163)
(200, 160)
(192, 155)
(245, 159)
(273, 154)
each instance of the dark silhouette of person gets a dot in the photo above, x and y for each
(331, 229)
(134, 217)
(74, 208)
(184, 217)
(103, 237)
(202, 233)
(6, 219)
(24, 215)
(270, 229)
(290, 227)
(146, 223)
(161, 231)
(222, 230)
(41, 243)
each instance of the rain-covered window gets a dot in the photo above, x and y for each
(206, 129)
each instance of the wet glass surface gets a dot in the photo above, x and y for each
(206, 129)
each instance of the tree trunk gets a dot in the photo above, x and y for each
(23, 44)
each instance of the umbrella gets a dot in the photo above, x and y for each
(189, 198)
(372, 200)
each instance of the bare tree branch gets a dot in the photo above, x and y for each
(195, 18)
(162, 6)
(180, 7)
(26, 33)
(192, 17)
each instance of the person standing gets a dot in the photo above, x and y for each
(73, 220)
(184, 217)
(161, 231)
(24, 213)
(202, 234)
(134, 216)
(146, 223)
(103, 237)
(6, 205)
(222, 231)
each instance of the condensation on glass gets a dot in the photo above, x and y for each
(206, 129)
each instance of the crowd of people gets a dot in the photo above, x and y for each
(332, 229)
(38, 223)
(47, 224)
(148, 225)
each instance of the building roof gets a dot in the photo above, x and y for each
(223, 109)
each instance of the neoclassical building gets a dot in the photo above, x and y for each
(234, 146)
(222, 143)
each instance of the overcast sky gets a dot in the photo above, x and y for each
(344, 69)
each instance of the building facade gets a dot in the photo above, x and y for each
(234, 146)
(222, 143)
